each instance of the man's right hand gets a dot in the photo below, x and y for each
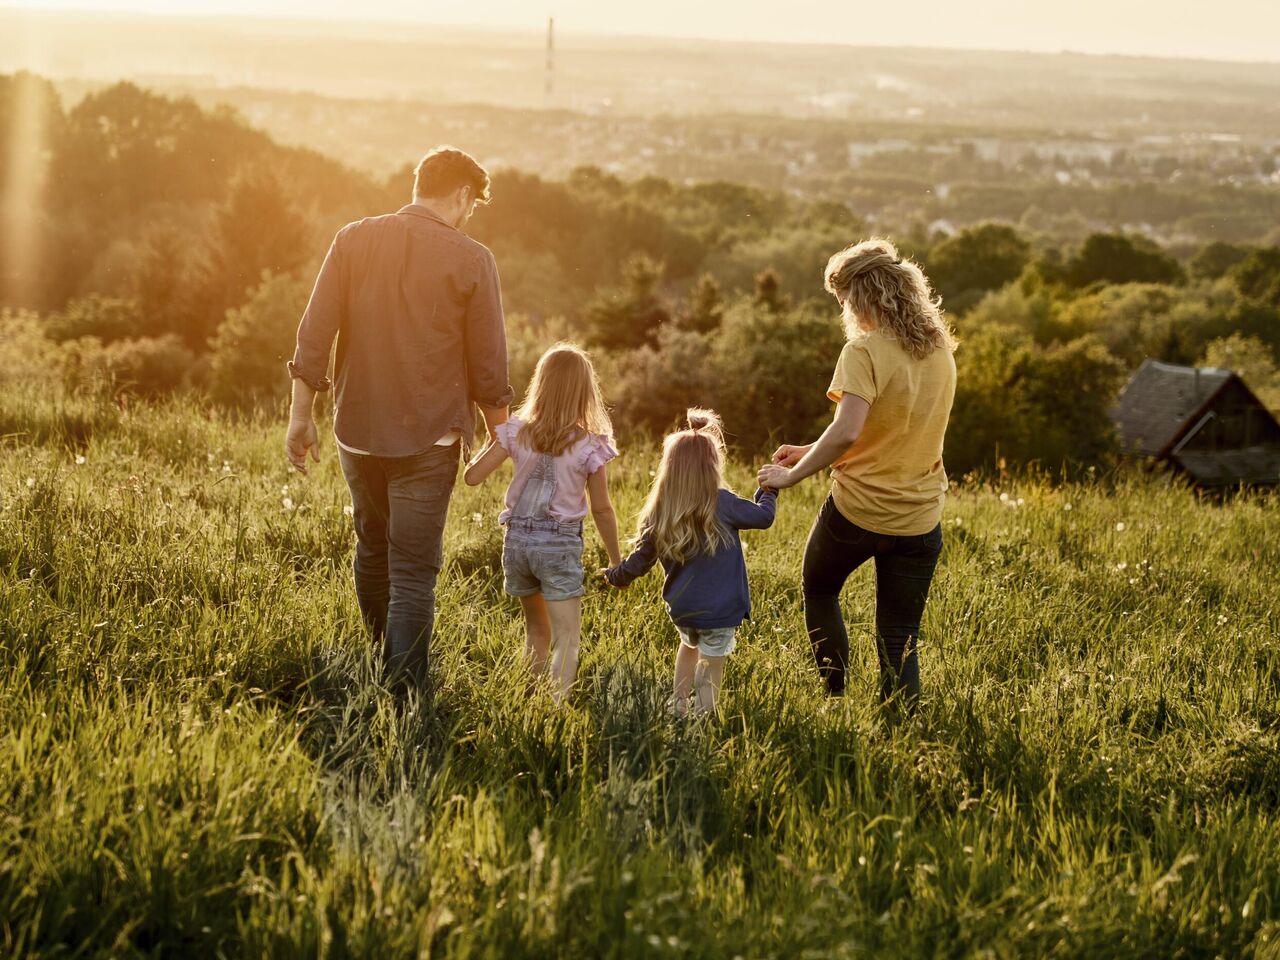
(788, 455)
(300, 439)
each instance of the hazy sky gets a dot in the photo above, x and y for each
(1228, 29)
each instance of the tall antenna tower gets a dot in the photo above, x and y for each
(547, 89)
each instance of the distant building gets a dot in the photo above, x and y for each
(1202, 421)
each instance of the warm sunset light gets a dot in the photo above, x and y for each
(669, 479)
(1230, 29)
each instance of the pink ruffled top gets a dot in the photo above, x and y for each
(583, 458)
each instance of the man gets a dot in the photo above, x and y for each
(417, 312)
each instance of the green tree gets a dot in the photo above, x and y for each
(256, 231)
(247, 354)
(704, 308)
(768, 294)
(1252, 360)
(631, 315)
(1115, 258)
(1257, 276)
(1215, 259)
(976, 260)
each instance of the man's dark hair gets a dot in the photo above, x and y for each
(445, 169)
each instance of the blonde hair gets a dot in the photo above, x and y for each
(680, 516)
(563, 402)
(879, 290)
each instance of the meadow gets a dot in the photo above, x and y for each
(197, 757)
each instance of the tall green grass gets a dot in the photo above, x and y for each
(197, 758)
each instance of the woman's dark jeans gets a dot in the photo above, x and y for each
(904, 570)
(400, 506)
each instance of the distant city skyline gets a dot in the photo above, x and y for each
(1227, 29)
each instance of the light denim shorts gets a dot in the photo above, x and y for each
(542, 561)
(719, 642)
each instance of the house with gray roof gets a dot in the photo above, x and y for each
(1202, 421)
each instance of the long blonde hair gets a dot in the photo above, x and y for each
(563, 402)
(879, 290)
(680, 515)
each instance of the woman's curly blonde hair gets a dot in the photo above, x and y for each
(877, 289)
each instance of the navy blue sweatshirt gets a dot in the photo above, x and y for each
(709, 591)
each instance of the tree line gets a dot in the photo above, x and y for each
(165, 247)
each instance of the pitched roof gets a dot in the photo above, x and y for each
(1159, 400)
(1217, 468)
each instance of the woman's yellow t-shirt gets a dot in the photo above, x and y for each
(891, 480)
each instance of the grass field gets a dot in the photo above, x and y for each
(197, 760)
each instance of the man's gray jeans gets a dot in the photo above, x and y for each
(400, 505)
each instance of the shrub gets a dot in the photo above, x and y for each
(247, 355)
(106, 318)
(1021, 402)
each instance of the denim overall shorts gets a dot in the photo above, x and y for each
(539, 553)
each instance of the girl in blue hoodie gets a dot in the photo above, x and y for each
(690, 525)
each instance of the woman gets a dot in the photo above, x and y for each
(893, 387)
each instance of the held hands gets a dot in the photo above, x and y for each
(788, 455)
(776, 477)
(602, 573)
(300, 439)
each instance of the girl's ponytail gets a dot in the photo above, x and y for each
(707, 423)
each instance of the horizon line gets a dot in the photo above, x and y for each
(126, 12)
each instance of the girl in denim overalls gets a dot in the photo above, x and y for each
(559, 442)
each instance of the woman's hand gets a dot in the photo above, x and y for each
(788, 455)
(774, 476)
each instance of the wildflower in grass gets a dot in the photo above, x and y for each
(287, 503)
(1004, 498)
(1122, 565)
(1222, 619)
(284, 491)
(31, 482)
(349, 510)
(226, 466)
(80, 460)
(1120, 527)
(477, 518)
(1067, 506)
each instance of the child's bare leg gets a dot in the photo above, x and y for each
(706, 684)
(686, 665)
(566, 635)
(537, 633)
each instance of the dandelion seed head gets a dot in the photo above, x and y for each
(1120, 527)
(287, 503)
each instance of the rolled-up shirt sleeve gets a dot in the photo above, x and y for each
(486, 340)
(320, 321)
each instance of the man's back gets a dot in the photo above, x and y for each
(416, 308)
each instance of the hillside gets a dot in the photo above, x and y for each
(195, 759)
